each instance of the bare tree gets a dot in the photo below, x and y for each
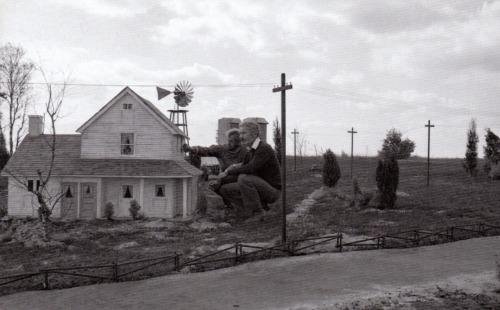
(15, 75)
(46, 198)
(301, 145)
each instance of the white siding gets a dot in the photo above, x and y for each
(23, 203)
(79, 181)
(159, 206)
(192, 199)
(152, 139)
(113, 191)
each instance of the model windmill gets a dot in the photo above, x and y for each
(183, 94)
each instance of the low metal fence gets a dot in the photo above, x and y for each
(240, 253)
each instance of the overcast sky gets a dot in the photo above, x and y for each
(371, 65)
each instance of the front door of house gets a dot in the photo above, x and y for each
(69, 200)
(127, 195)
(88, 202)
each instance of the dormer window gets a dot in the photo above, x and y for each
(127, 106)
(127, 144)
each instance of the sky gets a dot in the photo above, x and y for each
(367, 65)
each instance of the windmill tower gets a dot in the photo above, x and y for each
(183, 95)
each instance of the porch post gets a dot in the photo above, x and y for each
(99, 197)
(141, 194)
(184, 198)
(78, 198)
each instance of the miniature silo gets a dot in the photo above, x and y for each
(224, 125)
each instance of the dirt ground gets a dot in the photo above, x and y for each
(456, 275)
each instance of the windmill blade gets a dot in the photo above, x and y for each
(162, 93)
(183, 93)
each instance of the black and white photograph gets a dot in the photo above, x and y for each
(237, 154)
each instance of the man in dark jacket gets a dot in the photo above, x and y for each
(227, 154)
(230, 154)
(259, 177)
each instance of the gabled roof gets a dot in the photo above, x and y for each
(147, 105)
(34, 153)
(209, 161)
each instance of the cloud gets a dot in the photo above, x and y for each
(216, 22)
(392, 16)
(264, 29)
(108, 8)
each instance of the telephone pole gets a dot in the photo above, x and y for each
(428, 150)
(295, 133)
(283, 88)
(352, 132)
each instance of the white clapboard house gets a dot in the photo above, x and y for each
(128, 150)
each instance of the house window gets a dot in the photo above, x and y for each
(127, 106)
(127, 144)
(31, 183)
(160, 190)
(69, 192)
(128, 191)
(87, 191)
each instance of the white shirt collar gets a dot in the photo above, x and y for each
(255, 143)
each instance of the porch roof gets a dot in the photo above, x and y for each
(33, 154)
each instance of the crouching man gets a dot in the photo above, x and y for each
(259, 177)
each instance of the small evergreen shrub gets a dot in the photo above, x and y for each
(487, 167)
(134, 209)
(470, 161)
(109, 210)
(494, 173)
(387, 177)
(331, 169)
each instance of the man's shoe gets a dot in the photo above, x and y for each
(258, 216)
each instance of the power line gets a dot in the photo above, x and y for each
(250, 85)
(328, 92)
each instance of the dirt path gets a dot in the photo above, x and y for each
(323, 281)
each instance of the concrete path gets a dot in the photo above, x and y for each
(284, 283)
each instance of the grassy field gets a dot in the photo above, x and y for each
(452, 198)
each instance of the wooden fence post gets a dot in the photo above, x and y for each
(115, 272)
(236, 250)
(291, 247)
(481, 229)
(46, 284)
(176, 261)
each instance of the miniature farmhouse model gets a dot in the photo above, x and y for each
(129, 150)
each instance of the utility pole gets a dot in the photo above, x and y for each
(295, 133)
(428, 150)
(352, 132)
(283, 88)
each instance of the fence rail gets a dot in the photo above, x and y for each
(237, 254)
